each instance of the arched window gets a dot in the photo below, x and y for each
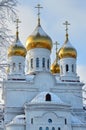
(19, 66)
(72, 68)
(37, 62)
(53, 128)
(65, 121)
(47, 128)
(59, 128)
(43, 62)
(48, 97)
(48, 64)
(31, 63)
(31, 120)
(14, 66)
(40, 128)
(67, 68)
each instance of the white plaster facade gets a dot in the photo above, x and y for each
(39, 99)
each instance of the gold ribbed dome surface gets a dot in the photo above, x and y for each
(17, 49)
(38, 39)
(67, 50)
(55, 68)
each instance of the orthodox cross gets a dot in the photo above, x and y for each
(38, 7)
(17, 21)
(66, 24)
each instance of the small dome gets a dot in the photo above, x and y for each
(55, 68)
(17, 49)
(67, 50)
(38, 39)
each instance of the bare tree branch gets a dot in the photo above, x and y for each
(7, 14)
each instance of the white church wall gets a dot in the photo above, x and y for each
(37, 53)
(15, 127)
(38, 115)
(70, 93)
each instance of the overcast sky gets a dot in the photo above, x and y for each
(53, 15)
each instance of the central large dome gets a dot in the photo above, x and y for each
(38, 39)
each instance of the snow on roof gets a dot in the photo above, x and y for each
(68, 44)
(75, 120)
(40, 31)
(29, 77)
(19, 119)
(41, 97)
(18, 43)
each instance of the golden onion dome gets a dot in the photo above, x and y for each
(17, 49)
(55, 68)
(67, 50)
(38, 39)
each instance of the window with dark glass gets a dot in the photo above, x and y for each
(67, 68)
(50, 120)
(43, 62)
(53, 128)
(59, 128)
(40, 128)
(65, 121)
(14, 66)
(72, 68)
(37, 62)
(47, 128)
(48, 63)
(19, 66)
(31, 63)
(31, 120)
(48, 97)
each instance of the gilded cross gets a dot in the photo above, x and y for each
(17, 21)
(38, 7)
(66, 24)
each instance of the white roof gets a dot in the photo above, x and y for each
(40, 31)
(29, 77)
(68, 44)
(41, 98)
(18, 43)
(19, 119)
(75, 120)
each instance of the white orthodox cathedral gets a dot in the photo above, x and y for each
(46, 97)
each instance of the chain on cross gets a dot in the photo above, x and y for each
(66, 24)
(38, 7)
